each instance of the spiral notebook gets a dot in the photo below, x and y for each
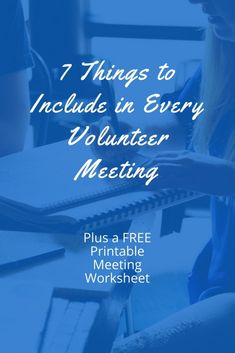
(124, 208)
(40, 182)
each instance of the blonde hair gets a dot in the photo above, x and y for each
(217, 91)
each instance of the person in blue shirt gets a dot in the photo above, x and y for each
(207, 166)
(15, 58)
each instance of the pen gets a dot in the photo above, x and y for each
(31, 260)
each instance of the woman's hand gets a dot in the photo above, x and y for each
(194, 171)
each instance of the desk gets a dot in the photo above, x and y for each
(67, 271)
(62, 273)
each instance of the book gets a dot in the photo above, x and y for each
(123, 208)
(39, 183)
(42, 180)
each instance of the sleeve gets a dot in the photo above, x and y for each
(15, 51)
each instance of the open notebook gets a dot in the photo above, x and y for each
(40, 183)
(43, 178)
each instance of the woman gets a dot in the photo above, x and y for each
(208, 325)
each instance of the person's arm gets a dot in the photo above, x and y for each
(195, 171)
(116, 154)
(207, 326)
(14, 111)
